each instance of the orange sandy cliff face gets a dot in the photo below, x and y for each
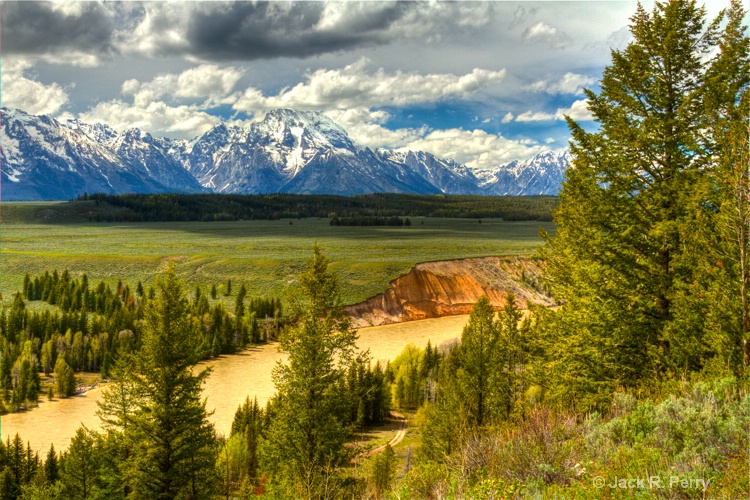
(446, 288)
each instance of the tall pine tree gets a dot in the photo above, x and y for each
(725, 210)
(172, 443)
(622, 259)
(307, 434)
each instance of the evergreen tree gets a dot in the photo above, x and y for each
(249, 424)
(120, 398)
(79, 466)
(445, 423)
(480, 360)
(51, 468)
(383, 471)
(513, 347)
(307, 434)
(621, 259)
(171, 440)
(725, 215)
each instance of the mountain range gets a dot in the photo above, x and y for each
(288, 151)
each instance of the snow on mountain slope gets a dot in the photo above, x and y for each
(298, 152)
(287, 151)
(541, 175)
(45, 159)
(447, 175)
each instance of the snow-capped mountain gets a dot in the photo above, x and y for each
(43, 159)
(542, 174)
(288, 151)
(296, 152)
(447, 175)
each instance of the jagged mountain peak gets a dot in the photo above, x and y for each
(136, 134)
(287, 126)
(98, 132)
(286, 151)
(44, 159)
(541, 174)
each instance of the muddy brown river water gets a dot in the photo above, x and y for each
(233, 378)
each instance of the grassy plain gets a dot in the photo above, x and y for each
(265, 255)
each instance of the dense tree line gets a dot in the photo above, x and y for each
(370, 221)
(650, 253)
(94, 325)
(21, 467)
(650, 263)
(229, 207)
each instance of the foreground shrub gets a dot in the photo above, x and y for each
(544, 448)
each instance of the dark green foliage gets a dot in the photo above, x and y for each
(79, 466)
(367, 390)
(94, 326)
(19, 466)
(51, 466)
(361, 220)
(628, 258)
(168, 434)
(375, 207)
(724, 221)
(481, 381)
(249, 426)
(480, 360)
(306, 437)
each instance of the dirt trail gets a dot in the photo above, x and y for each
(450, 287)
(397, 438)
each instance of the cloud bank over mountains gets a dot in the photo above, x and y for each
(482, 82)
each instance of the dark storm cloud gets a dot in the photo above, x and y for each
(41, 28)
(246, 31)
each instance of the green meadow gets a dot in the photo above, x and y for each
(264, 255)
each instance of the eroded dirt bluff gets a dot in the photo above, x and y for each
(445, 288)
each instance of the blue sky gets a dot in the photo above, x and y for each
(483, 83)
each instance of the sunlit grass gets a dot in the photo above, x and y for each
(265, 255)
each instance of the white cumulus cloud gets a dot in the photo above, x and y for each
(570, 83)
(22, 92)
(578, 111)
(207, 81)
(355, 86)
(171, 105)
(475, 148)
(544, 33)
(366, 127)
(157, 118)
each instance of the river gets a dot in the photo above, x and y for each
(233, 378)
